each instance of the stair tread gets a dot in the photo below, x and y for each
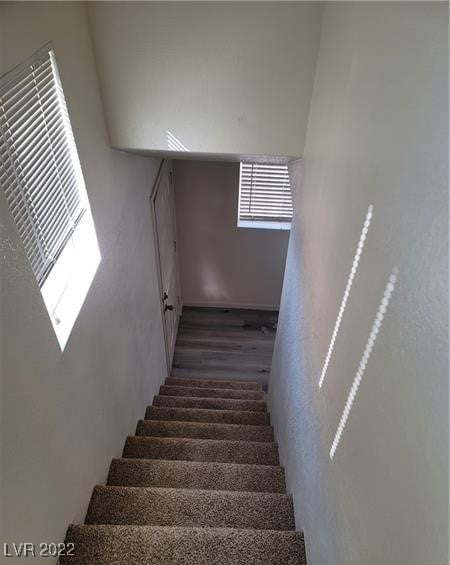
(196, 474)
(213, 383)
(190, 449)
(156, 545)
(204, 430)
(190, 507)
(211, 403)
(204, 392)
(207, 415)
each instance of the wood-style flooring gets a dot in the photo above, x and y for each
(217, 343)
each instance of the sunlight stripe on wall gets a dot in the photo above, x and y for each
(356, 259)
(365, 358)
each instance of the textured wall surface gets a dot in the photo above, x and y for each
(221, 264)
(377, 135)
(222, 77)
(64, 415)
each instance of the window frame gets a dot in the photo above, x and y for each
(65, 274)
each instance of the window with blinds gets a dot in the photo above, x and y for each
(39, 166)
(264, 196)
(41, 177)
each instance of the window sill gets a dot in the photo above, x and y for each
(260, 224)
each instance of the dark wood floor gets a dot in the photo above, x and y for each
(221, 343)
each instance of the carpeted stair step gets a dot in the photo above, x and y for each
(185, 449)
(203, 430)
(188, 507)
(212, 383)
(197, 475)
(207, 415)
(211, 392)
(153, 545)
(210, 403)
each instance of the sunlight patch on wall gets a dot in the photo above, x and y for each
(175, 144)
(365, 358)
(212, 283)
(356, 259)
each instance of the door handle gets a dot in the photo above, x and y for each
(168, 307)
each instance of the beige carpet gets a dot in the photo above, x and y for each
(199, 484)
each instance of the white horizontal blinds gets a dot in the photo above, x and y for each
(265, 193)
(40, 171)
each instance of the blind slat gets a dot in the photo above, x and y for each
(267, 193)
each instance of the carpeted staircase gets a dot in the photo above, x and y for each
(199, 484)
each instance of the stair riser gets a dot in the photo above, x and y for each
(204, 430)
(176, 507)
(210, 403)
(144, 545)
(196, 475)
(211, 383)
(224, 451)
(205, 415)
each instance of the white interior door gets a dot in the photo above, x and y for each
(163, 200)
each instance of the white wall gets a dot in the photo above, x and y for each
(377, 135)
(222, 77)
(64, 415)
(221, 264)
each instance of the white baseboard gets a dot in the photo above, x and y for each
(231, 305)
